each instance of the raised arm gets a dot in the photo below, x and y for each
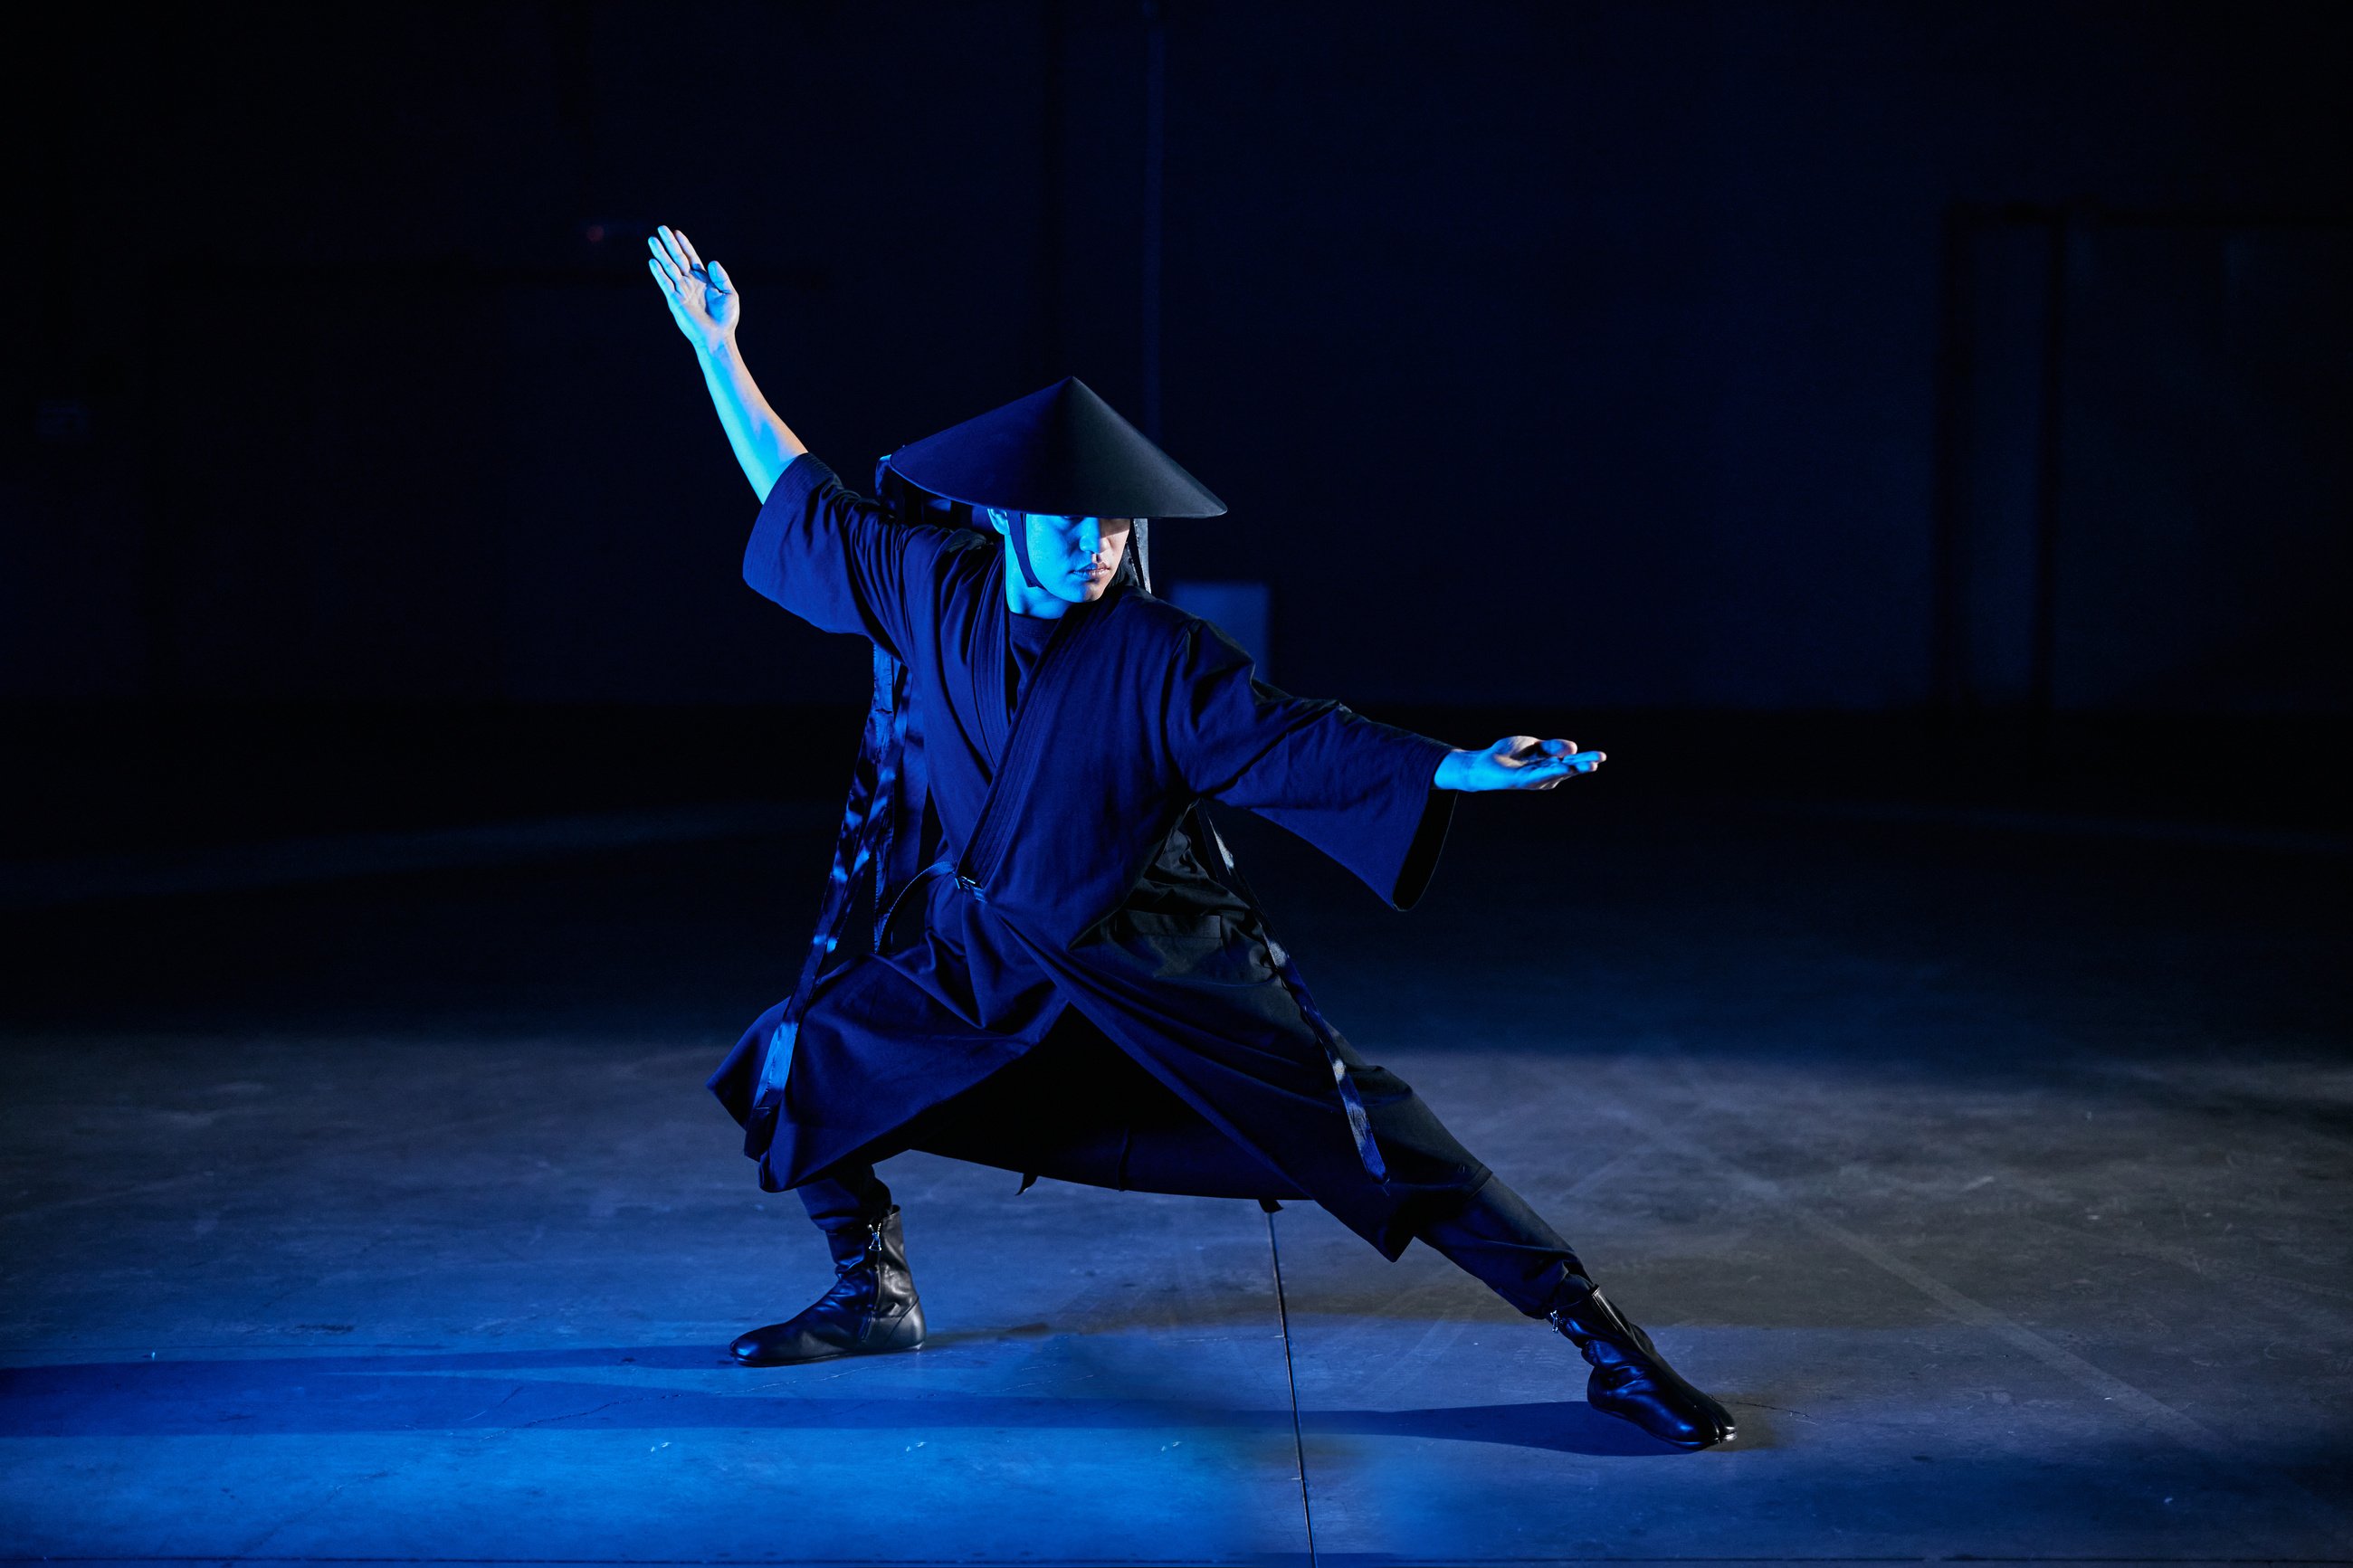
(706, 306)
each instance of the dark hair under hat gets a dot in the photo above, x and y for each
(1063, 451)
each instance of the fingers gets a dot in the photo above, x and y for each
(1531, 763)
(671, 251)
(686, 248)
(669, 297)
(1527, 751)
(664, 268)
(1553, 771)
(1582, 762)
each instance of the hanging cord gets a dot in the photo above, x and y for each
(1360, 1122)
(1283, 1315)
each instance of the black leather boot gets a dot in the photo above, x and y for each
(870, 1309)
(1630, 1380)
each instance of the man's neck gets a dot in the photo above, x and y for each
(1025, 600)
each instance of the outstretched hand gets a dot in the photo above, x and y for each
(702, 298)
(1516, 762)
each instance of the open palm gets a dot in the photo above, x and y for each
(1517, 762)
(702, 298)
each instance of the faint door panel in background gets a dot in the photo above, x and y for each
(2206, 524)
(2147, 476)
(1243, 611)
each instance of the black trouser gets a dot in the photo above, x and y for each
(1492, 1234)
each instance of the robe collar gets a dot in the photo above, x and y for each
(1016, 750)
(992, 657)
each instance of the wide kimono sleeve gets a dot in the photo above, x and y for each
(1356, 789)
(832, 557)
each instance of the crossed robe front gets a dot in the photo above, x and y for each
(1061, 878)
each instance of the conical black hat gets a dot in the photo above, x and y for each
(1064, 451)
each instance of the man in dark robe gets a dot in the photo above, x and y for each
(1067, 975)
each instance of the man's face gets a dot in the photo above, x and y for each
(1075, 557)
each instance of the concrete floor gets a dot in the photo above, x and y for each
(1996, 1178)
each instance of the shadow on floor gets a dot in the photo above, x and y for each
(298, 1395)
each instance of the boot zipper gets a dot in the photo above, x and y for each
(874, 1267)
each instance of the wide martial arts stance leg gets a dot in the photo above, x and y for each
(1492, 1235)
(1073, 1108)
(1488, 1231)
(871, 1306)
(1498, 1239)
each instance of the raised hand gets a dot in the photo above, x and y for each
(1516, 762)
(703, 300)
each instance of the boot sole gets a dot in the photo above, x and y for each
(1686, 1445)
(823, 1355)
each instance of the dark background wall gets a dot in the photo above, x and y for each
(1776, 356)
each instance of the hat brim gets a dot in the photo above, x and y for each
(1063, 451)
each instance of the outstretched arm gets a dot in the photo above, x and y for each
(705, 304)
(1515, 761)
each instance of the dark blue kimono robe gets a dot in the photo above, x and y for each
(1063, 873)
